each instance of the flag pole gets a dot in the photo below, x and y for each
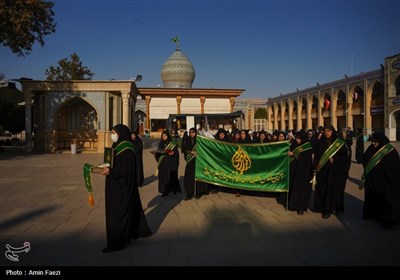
(176, 41)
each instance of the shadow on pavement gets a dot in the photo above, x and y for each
(25, 217)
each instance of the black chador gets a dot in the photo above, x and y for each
(125, 219)
(138, 147)
(192, 187)
(300, 173)
(168, 163)
(381, 181)
(331, 165)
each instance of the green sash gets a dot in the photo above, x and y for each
(171, 145)
(375, 159)
(333, 149)
(190, 156)
(124, 145)
(296, 152)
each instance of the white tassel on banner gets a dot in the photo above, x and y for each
(314, 180)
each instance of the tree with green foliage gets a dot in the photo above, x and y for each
(69, 70)
(24, 22)
(260, 113)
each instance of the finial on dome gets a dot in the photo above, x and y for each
(176, 41)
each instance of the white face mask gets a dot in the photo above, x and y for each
(114, 137)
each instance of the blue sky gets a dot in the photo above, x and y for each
(265, 47)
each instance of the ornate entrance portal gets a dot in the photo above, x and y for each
(76, 122)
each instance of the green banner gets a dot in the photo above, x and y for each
(87, 174)
(259, 167)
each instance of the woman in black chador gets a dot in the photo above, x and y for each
(192, 187)
(330, 166)
(125, 219)
(382, 188)
(138, 147)
(168, 163)
(300, 173)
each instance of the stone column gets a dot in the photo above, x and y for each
(148, 99)
(28, 120)
(249, 119)
(232, 102)
(334, 98)
(275, 116)
(367, 107)
(290, 118)
(269, 123)
(132, 109)
(178, 104)
(202, 101)
(125, 108)
(115, 111)
(309, 108)
(178, 110)
(299, 108)
(106, 122)
(283, 107)
(349, 108)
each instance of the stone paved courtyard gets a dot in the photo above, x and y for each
(43, 200)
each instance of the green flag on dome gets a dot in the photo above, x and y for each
(175, 39)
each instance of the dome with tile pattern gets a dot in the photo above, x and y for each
(178, 71)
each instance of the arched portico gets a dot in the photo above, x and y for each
(140, 117)
(394, 125)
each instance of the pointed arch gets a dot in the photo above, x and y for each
(303, 111)
(397, 86)
(394, 124)
(356, 98)
(314, 111)
(76, 120)
(341, 109)
(326, 117)
(377, 107)
(140, 118)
